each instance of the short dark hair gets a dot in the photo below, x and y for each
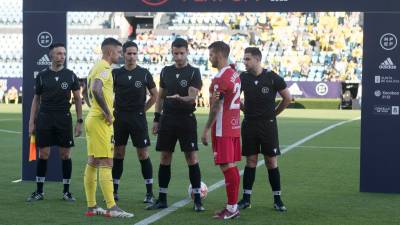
(220, 46)
(56, 45)
(179, 43)
(110, 41)
(254, 51)
(129, 44)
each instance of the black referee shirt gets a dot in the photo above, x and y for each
(259, 94)
(130, 88)
(54, 89)
(177, 81)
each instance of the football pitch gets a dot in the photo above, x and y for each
(319, 173)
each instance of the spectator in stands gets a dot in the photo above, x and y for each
(12, 95)
(1, 92)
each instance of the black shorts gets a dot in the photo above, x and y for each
(260, 136)
(134, 124)
(54, 129)
(177, 127)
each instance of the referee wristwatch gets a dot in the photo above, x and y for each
(80, 121)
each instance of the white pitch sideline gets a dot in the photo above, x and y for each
(157, 216)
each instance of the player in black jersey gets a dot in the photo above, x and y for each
(179, 86)
(259, 126)
(131, 83)
(50, 118)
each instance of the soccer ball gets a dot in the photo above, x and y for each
(203, 191)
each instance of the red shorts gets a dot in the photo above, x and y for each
(226, 149)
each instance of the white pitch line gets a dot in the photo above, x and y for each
(325, 147)
(183, 202)
(16, 181)
(10, 131)
(9, 120)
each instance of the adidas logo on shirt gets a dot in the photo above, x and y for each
(387, 65)
(44, 61)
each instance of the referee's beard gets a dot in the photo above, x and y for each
(57, 65)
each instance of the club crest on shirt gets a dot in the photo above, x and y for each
(138, 84)
(183, 83)
(265, 90)
(104, 74)
(64, 85)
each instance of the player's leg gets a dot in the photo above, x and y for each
(121, 135)
(66, 163)
(105, 180)
(195, 179)
(164, 177)
(41, 169)
(105, 162)
(232, 182)
(248, 181)
(147, 173)
(100, 142)
(140, 140)
(226, 153)
(166, 141)
(118, 168)
(90, 185)
(270, 150)
(187, 135)
(64, 136)
(44, 139)
(250, 149)
(275, 181)
(91, 170)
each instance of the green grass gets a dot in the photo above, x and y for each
(320, 185)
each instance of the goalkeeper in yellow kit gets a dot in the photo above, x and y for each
(99, 132)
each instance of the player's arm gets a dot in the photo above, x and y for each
(86, 94)
(286, 99)
(97, 90)
(160, 100)
(78, 108)
(216, 106)
(191, 98)
(33, 115)
(158, 107)
(152, 99)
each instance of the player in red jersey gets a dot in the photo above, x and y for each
(224, 122)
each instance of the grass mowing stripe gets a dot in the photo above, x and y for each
(181, 203)
(153, 140)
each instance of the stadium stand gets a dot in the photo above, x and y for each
(311, 46)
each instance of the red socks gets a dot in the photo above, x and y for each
(232, 182)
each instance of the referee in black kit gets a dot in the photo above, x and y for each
(259, 127)
(179, 86)
(131, 83)
(51, 120)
